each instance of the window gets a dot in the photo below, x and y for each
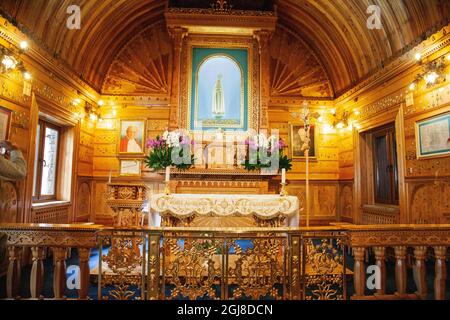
(46, 161)
(384, 152)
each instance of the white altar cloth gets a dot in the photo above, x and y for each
(265, 206)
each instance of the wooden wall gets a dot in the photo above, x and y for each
(335, 186)
(53, 89)
(385, 98)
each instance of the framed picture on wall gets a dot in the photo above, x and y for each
(131, 137)
(5, 123)
(131, 167)
(296, 143)
(433, 136)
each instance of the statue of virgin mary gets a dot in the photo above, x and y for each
(218, 98)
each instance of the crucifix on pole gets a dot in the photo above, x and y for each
(305, 136)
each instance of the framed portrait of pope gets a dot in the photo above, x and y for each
(131, 139)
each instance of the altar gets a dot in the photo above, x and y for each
(267, 210)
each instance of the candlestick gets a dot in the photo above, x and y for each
(167, 174)
(109, 181)
(283, 175)
(283, 191)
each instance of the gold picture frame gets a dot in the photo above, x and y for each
(130, 167)
(217, 42)
(295, 142)
(138, 133)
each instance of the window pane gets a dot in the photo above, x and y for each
(382, 177)
(36, 158)
(394, 160)
(50, 156)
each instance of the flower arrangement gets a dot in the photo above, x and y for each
(261, 151)
(168, 150)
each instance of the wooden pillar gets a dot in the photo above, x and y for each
(59, 272)
(177, 34)
(154, 266)
(263, 38)
(380, 258)
(83, 256)
(440, 272)
(295, 270)
(359, 270)
(400, 269)
(14, 272)
(37, 272)
(420, 272)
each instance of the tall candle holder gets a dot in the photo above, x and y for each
(283, 190)
(306, 116)
(167, 188)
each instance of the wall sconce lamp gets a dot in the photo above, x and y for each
(10, 60)
(91, 112)
(334, 121)
(432, 72)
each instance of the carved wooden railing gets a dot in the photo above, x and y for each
(404, 242)
(38, 237)
(287, 263)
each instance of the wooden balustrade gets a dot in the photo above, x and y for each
(38, 237)
(396, 244)
(420, 238)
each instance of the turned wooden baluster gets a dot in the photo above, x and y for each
(59, 273)
(420, 272)
(380, 258)
(83, 255)
(14, 272)
(37, 272)
(400, 269)
(360, 271)
(440, 272)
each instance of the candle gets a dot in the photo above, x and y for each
(283, 175)
(167, 174)
(109, 181)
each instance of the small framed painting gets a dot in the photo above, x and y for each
(132, 135)
(433, 136)
(130, 167)
(296, 142)
(5, 123)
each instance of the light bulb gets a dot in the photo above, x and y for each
(101, 103)
(8, 62)
(320, 119)
(333, 111)
(448, 57)
(340, 125)
(27, 75)
(431, 77)
(93, 117)
(418, 56)
(412, 86)
(357, 113)
(23, 45)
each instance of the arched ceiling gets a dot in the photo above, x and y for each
(335, 30)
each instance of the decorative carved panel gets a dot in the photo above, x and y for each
(346, 200)
(294, 69)
(142, 67)
(51, 214)
(429, 201)
(83, 208)
(9, 202)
